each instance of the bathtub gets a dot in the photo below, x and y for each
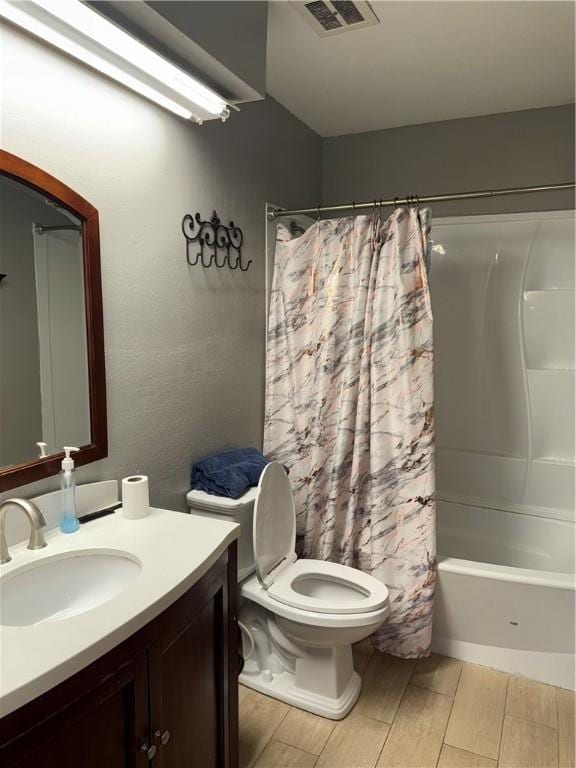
(506, 591)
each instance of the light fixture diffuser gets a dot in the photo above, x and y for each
(81, 32)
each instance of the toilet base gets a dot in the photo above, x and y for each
(305, 665)
(283, 686)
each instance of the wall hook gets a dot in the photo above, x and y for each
(214, 237)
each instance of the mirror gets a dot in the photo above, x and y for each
(51, 349)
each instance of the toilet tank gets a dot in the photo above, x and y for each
(240, 511)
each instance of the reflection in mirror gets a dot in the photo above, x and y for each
(44, 389)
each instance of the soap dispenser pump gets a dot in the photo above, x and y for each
(69, 522)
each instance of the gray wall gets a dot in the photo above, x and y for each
(507, 150)
(184, 347)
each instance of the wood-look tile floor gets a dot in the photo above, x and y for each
(433, 713)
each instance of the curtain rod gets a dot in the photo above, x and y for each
(274, 213)
(40, 229)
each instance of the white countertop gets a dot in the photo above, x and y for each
(175, 551)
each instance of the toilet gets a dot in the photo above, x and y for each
(299, 618)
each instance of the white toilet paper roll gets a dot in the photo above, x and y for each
(135, 498)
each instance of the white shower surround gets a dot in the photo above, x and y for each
(503, 300)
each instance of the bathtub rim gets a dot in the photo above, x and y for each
(509, 573)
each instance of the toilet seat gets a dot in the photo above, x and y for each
(323, 587)
(274, 524)
(312, 586)
(252, 589)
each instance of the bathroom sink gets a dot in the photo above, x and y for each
(62, 586)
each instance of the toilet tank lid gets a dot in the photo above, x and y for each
(222, 504)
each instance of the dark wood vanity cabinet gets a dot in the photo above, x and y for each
(165, 698)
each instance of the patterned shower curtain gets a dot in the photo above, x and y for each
(349, 405)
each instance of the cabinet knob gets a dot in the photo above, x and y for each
(163, 738)
(150, 750)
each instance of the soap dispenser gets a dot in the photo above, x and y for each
(69, 522)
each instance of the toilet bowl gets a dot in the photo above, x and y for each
(299, 617)
(310, 612)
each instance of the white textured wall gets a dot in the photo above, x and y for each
(184, 348)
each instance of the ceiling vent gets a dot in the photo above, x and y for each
(332, 17)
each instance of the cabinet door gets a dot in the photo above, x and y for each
(188, 680)
(104, 727)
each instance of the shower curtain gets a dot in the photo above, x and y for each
(349, 405)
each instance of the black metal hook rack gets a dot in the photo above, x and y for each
(212, 235)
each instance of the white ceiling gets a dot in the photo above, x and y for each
(425, 61)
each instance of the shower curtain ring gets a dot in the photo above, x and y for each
(318, 212)
(395, 203)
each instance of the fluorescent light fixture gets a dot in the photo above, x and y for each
(81, 32)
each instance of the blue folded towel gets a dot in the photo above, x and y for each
(230, 473)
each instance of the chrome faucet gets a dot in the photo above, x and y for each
(36, 520)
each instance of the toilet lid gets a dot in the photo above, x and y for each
(274, 523)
